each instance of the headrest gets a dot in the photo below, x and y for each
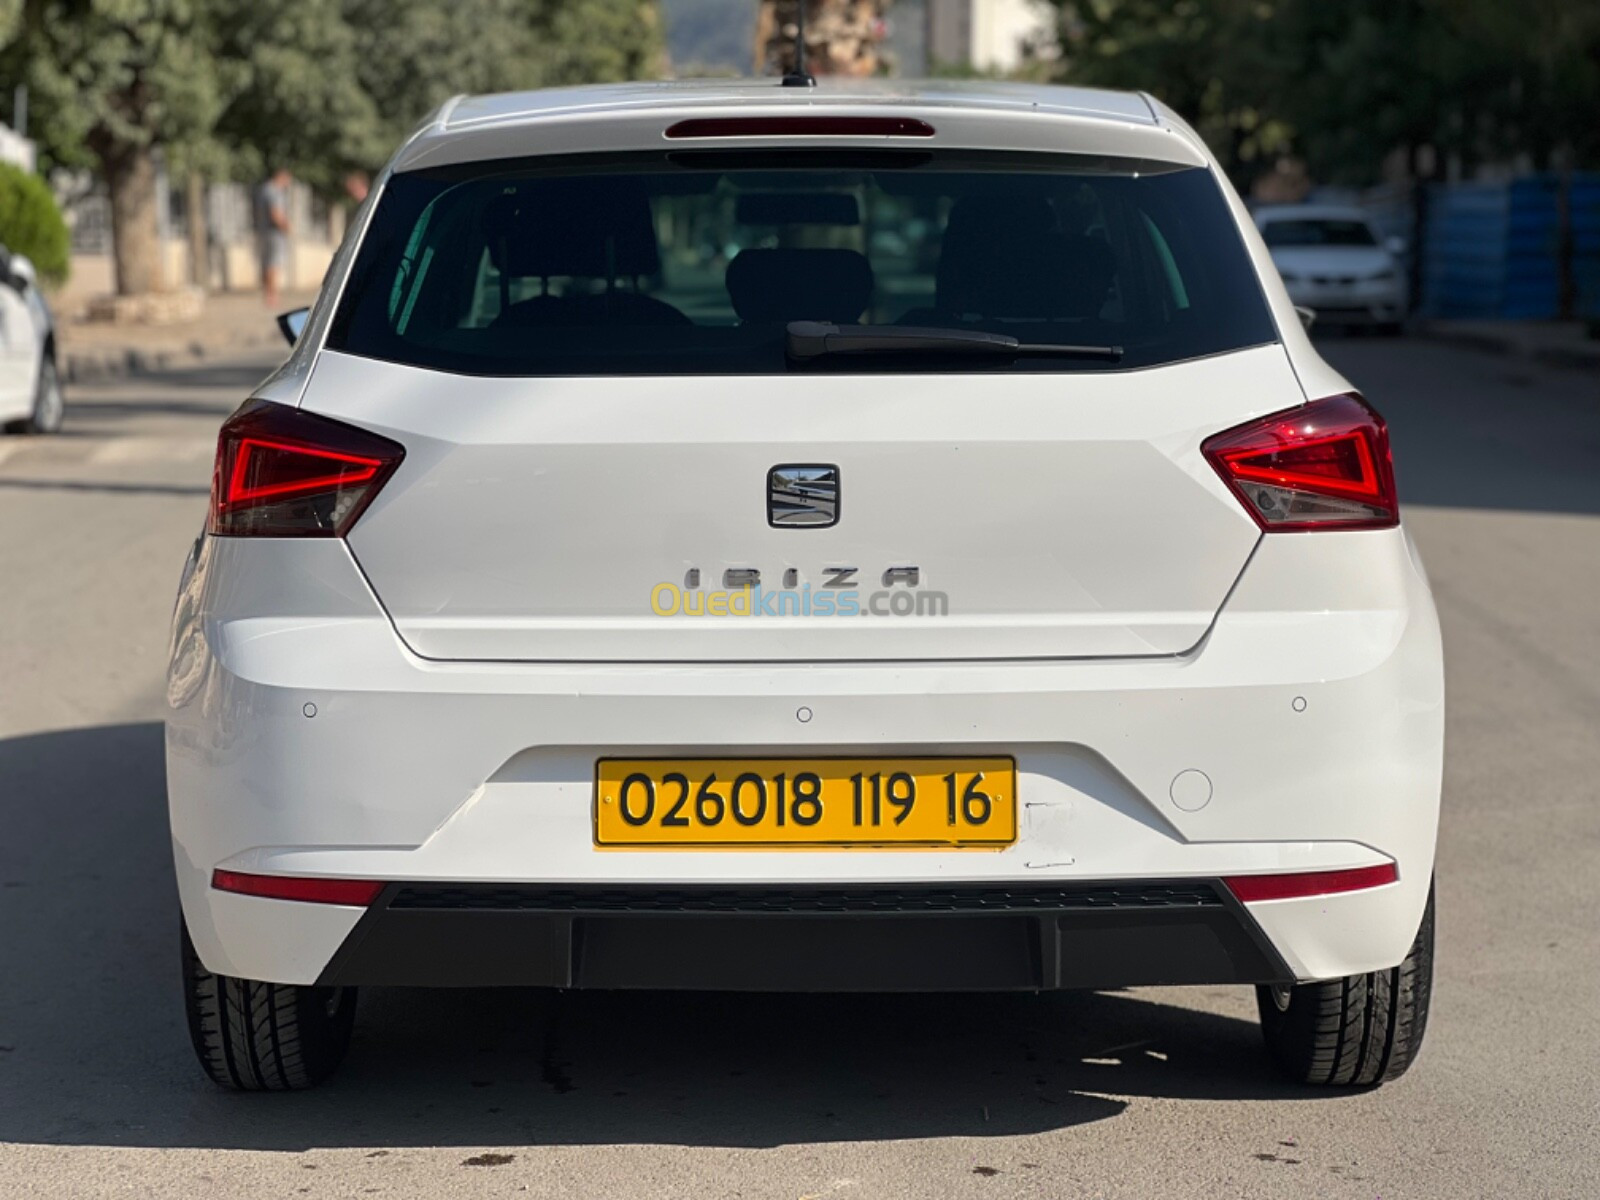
(799, 285)
(595, 228)
(1005, 257)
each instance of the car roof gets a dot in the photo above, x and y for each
(924, 93)
(964, 113)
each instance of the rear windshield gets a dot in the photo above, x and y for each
(1318, 233)
(696, 263)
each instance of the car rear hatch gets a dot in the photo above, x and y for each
(552, 519)
(613, 453)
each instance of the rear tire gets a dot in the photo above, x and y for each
(264, 1037)
(49, 407)
(1358, 1031)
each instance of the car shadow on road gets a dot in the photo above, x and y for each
(125, 409)
(101, 408)
(166, 384)
(93, 1048)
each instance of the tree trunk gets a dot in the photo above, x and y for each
(1421, 216)
(130, 173)
(1566, 248)
(199, 242)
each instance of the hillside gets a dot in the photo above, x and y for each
(710, 36)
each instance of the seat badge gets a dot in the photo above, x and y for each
(803, 495)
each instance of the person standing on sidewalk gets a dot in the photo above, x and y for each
(272, 232)
(356, 186)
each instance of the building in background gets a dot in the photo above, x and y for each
(232, 263)
(910, 38)
(14, 148)
(985, 35)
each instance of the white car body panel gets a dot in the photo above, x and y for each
(483, 771)
(23, 329)
(632, 117)
(600, 489)
(313, 730)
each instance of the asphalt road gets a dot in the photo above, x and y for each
(1148, 1094)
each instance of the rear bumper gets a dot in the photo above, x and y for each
(877, 939)
(304, 739)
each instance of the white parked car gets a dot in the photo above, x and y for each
(30, 386)
(1333, 262)
(640, 575)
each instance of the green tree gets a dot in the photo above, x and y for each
(232, 87)
(1347, 85)
(598, 41)
(1214, 61)
(295, 94)
(1526, 76)
(31, 224)
(411, 55)
(110, 81)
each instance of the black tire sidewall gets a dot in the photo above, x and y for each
(1298, 1036)
(320, 1021)
(49, 377)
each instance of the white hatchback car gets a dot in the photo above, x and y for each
(645, 574)
(30, 385)
(1333, 262)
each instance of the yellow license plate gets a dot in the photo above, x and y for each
(841, 802)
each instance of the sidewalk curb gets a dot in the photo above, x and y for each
(1578, 357)
(121, 362)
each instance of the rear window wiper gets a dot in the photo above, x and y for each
(816, 339)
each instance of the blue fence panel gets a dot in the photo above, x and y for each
(1493, 249)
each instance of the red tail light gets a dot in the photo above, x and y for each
(1324, 465)
(1250, 888)
(358, 893)
(281, 472)
(799, 126)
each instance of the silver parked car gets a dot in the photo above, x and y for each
(1333, 261)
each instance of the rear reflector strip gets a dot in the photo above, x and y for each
(358, 893)
(729, 127)
(1310, 883)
